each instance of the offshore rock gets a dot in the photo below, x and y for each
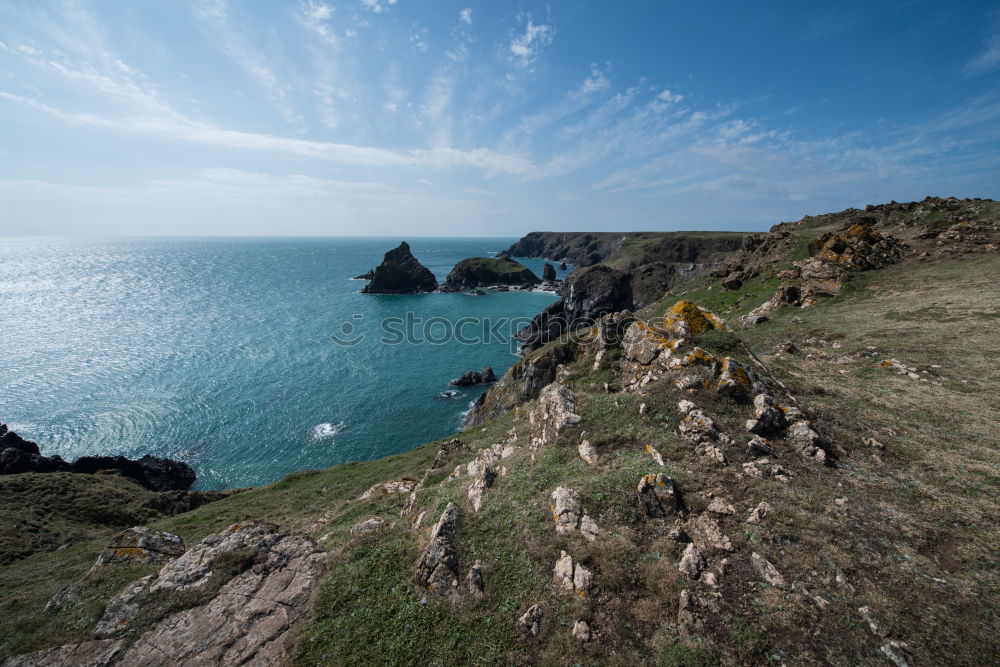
(477, 272)
(401, 273)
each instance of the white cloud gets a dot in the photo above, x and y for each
(377, 6)
(418, 38)
(465, 16)
(669, 97)
(313, 15)
(185, 129)
(597, 80)
(525, 47)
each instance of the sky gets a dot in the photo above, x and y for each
(420, 118)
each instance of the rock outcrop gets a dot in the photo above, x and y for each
(400, 273)
(477, 272)
(252, 604)
(437, 567)
(587, 295)
(470, 378)
(549, 273)
(18, 455)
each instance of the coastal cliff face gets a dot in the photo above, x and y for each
(400, 273)
(488, 272)
(676, 485)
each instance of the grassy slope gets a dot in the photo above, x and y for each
(915, 536)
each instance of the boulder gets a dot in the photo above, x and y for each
(531, 621)
(657, 496)
(474, 580)
(765, 570)
(140, 545)
(400, 273)
(554, 411)
(708, 534)
(477, 272)
(581, 631)
(573, 576)
(691, 562)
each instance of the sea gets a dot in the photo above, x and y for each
(247, 358)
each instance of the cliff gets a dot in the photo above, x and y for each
(669, 486)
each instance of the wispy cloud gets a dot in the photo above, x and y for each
(597, 80)
(377, 6)
(525, 46)
(465, 16)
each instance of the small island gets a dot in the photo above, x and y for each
(476, 272)
(400, 273)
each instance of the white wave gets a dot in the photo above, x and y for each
(327, 430)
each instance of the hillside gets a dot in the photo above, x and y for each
(686, 484)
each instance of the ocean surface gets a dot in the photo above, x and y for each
(247, 358)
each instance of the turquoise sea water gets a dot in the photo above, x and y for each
(220, 352)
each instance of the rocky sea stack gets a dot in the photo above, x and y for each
(401, 273)
(486, 272)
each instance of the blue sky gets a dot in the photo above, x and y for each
(400, 117)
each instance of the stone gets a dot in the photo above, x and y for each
(895, 652)
(657, 496)
(589, 528)
(474, 580)
(765, 570)
(689, 621)
(572, 576)
(531, 620)
(394, 486)
(691, 562)
(250, 619)
(732, 282)
(400, 273)
(873, 623)
(562, 572)
(588, 452)
(484, 480)
(735, 380)
(758, 513)
(758, 446)
(708, 533)
(566, 509)
(437, 567)
(656, 456)
(720, 506)
(367, 526)
(768, 419)
(445, 452)
(802, 436)
(140, 545)
(549, 272)
(581, 631)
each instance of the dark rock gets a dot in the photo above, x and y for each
(366, 276)
(587, 294)
(471, 378)
(732, 282)
(563, 267)
(153, 472)
(548, 272)
(401, 273)
(451, 393)
(486, 272)
(478, 292)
